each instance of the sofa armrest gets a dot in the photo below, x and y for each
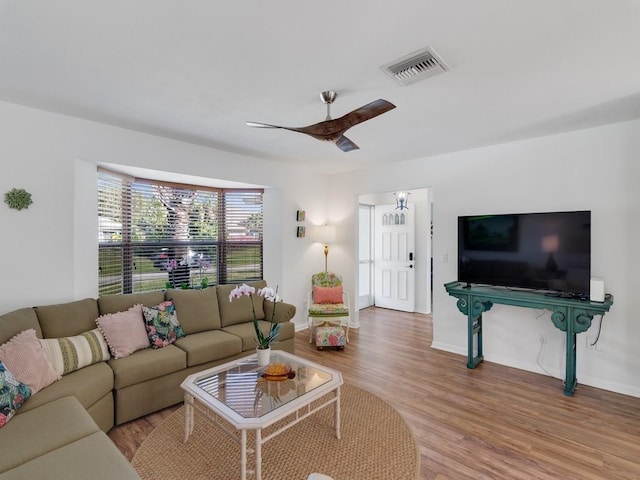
(284, 311)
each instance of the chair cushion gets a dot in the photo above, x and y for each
(328, 310)
(326, 279)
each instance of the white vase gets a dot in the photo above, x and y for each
(264, 354)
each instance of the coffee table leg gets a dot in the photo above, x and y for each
(258, 454)
(337, 407)
(243, 454)
(188, 416)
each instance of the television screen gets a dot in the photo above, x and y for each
(542, 251)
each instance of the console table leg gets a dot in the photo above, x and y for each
(570, 379)
(474, 340)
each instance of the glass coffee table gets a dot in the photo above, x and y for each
(239, 397)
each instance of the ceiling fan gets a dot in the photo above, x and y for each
(332, 130)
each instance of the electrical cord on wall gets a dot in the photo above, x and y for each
(539, 360)
(598, 335)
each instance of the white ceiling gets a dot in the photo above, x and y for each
(197, 70)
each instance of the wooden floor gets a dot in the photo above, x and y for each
(492, 422)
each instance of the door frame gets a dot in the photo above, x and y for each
(423, 200)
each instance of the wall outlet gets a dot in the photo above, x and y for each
(445, 258)
(590, 345)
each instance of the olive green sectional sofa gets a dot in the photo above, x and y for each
(61, 429)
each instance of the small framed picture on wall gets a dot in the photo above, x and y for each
(301, 231)
(300, 215)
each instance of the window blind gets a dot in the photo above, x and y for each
(156, 234)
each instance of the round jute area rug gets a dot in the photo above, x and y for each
(375, 444)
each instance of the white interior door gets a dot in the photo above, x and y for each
(394, 253)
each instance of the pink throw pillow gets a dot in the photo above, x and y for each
(24, 357)
(327, 294)
(124, 331)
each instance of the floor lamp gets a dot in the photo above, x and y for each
(325, 234)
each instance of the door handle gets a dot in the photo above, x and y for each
(410, 266)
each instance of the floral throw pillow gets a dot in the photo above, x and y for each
(12, 395)
(162, 324)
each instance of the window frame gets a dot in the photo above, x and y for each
(235, 251)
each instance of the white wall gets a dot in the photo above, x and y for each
(595, 169)
(50, 249)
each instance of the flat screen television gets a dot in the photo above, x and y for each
(540, 251)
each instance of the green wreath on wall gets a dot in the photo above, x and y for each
(18, 198)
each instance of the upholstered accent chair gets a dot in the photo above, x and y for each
(327, 303)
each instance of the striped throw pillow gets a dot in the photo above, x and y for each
(68, 354)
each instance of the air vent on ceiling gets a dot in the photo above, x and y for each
(415, 67)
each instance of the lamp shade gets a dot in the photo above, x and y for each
(324, 234)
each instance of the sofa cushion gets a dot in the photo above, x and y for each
(246, 332)
(24, 438)
(197, 309)
(239, 311)
(124, 331)
(94, 457)
(13, 394)
(147, 364)
(209, 346)
(120, 303)
(13, 323)
(68, 354)
(24, 357)
(161, 322)
(67, 319)
(88, 385)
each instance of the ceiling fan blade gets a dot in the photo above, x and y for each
(333, 130)
(362, 114)
(261, 125)
(345, 144)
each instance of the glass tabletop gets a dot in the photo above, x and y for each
(244, 388)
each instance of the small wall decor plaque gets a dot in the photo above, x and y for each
(18, 198)
(300, 215)
(300, 232)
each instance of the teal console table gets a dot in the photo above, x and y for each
(570, 315)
